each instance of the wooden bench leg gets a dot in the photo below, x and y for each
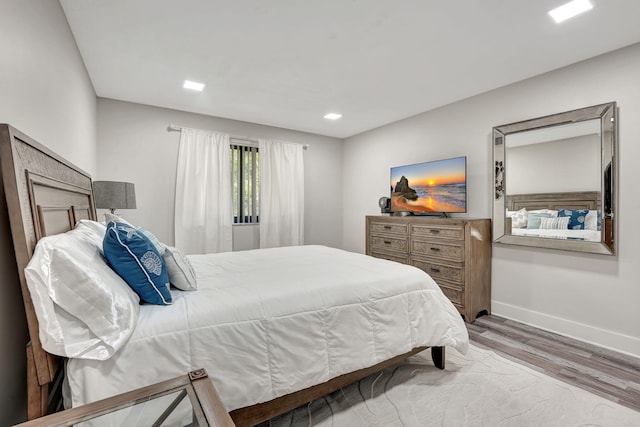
(438, 356)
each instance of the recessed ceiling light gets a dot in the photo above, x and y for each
(333, 116)
(188, 84)
(569, 10)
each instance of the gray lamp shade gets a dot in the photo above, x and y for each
(114, 195)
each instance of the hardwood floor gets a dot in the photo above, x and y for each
(606, 373)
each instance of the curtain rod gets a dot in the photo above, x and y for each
(174, 128)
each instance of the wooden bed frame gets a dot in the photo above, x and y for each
(45, 194)
(555, 201)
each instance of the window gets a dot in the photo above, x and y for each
(245, 182)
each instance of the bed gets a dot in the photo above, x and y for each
(273, 328)
(537, 215)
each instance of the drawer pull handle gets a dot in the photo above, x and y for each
(435, 249)
(434, 231)
(387, 242)
(387, 227)
(435, 270)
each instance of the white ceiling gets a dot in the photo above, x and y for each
(287, 63)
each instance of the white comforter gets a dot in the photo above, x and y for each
(269, 322)
(588, 235)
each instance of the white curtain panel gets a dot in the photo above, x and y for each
(281, 194)
(203, 210)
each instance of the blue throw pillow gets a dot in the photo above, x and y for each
(132, 255)
(577, 217)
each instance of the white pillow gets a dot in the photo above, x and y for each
(181, 273)
(561, 223)
(519, 218)
(108, 217)
(94, 231)
(84, 309)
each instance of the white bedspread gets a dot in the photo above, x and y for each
(269, 322)
(588, 235)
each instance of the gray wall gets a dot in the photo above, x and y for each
(44, 92)
(549, 167)
(134, 145)
(594, 298)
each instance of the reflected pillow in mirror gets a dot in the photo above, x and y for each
(554, 223)
(593, 221)
(551, 212)
(577, 217)
(518, 218)
(534, 219)
(84, 309)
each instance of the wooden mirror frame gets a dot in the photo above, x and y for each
(607, 114)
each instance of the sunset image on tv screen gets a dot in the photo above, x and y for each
(439, 186)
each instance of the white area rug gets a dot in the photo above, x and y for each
(477, 389)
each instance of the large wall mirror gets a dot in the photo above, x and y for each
(554, 181)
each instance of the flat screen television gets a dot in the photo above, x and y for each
(435, 187)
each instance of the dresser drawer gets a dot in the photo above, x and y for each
(438, 249)
(385, 227)
(390, 257)
(453, 291)
(387, 243)
(437, 231)
(437, 270)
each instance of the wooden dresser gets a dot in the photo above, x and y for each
(455, 252)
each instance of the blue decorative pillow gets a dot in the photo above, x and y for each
(535, 218)
(132, 255)
(577, 217)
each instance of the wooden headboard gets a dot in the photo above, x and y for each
(555, 201)
(44, 195)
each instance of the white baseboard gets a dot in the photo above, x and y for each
(609, 339)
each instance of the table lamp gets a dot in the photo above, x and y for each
(114, 195)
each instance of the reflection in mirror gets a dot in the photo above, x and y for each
(562, 162)
(553, 181)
